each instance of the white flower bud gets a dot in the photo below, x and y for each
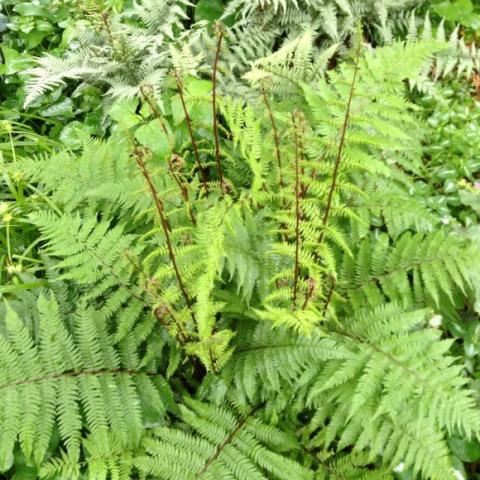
(435, 321)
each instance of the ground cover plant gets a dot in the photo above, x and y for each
(239, 240)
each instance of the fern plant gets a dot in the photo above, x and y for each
(131, 52)
(61, 378)
(226, 445)
(130, 59)
(333, 20)
(460, 59)
(232, 297)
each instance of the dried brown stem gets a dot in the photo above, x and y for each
(275, 136)
(298, 155)
(108, 28)
(309, 293)
(341, 145)
(188, 120)
(218, 152)
(183, 191)
(181, 336)
(228, 439)
(329, 298)
(139, 156)
(155, 112)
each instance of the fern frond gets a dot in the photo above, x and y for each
(296, 61)
(69, 381)
(389, 345)
(216, 442)
(352, 465)
(51, 72)
(434, 269)
(457, 59)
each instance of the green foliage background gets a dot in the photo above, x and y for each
(239, 239)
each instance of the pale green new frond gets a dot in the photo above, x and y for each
(250, 141)
(209, 239)
(301, 321)
(212, 347)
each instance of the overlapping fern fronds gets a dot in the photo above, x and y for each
(297, 61)
(384, 345)
(459, 58)
(236, 308)
(129, 59)
(418, 270)
(364, 360)
(64, 382)
(216, 442)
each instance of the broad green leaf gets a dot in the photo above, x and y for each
(123, 112)
(74, 135)
(153, 137)
(460, 11)
(209, 10)
(199, 88)
(201, 113)
(465, 450)
(14, 61)
(31, 9)
(63, 108)
(178, 113)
